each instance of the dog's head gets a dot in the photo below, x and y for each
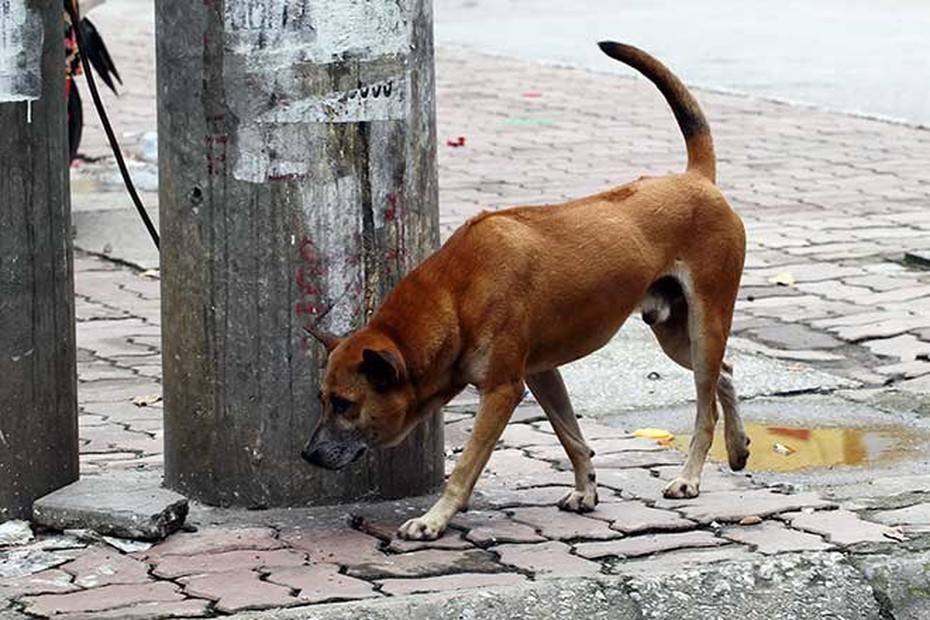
(365, 399)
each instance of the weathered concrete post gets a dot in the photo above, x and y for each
(38, 383)
(298, 183)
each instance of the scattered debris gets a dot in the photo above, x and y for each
(127, 546)
(532, 94)
(371, 528)
(659, 434)
(895, 534)
(146, 400)
(15, 533)
(23, 562)
(653, 376)
(782, 449)
(456, 142)
(783, 279)
(751, 520)
(151, 274)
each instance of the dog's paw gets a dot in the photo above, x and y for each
(738, 452)
(679, 488)
(421, 528)
(577, 501)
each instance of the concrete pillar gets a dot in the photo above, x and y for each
(298, 184)
(38, 383)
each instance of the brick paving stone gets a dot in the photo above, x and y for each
(447, 583)
(551, 559)
(189, 608)
(487, 528)
(497, 498)
(795, 337)
(114, 390)
(771, 537)
(114, 437)
(322, 582)
(904, 347)
(215, 541)
(632, 483)
(731, 506)
(334, 545)
(102, 567)
(51, 581)
(558, 524)
(631, 517)
(623, 460)
(522, 435)
(425, 564)
(174, 566)
(449, 540)
(238, 590)
(841, 527)
(514, 464)
(102, 599)
(645, 544)
(914, 518)
(673, 562)
(905, 370)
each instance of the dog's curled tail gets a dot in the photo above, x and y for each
(691, 120)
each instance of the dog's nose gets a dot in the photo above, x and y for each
(311, 456)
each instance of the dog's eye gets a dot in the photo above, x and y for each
(339, 405)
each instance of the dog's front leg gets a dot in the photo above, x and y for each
(494, 411)
(550, 393)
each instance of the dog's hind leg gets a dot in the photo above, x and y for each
(674, 338)
(549, 390)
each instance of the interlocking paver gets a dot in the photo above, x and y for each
(632, 517)
(551, 559)
(731, 506)
(322, 582)
(102, 599)
(51, 581)
(446, 583)
(215, 541)
(238, 590)
(842, 527)
(557, 524)
(771, 537)
(646, 544)
(486, 528)
(103, 567)
(425, 564)
(334, 544)
(174, 566)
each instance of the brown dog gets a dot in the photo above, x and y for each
(515, 294)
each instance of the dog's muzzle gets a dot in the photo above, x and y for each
(330, 455)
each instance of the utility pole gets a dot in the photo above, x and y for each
(297, 185)
(38, 381)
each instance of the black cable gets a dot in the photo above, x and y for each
(75, 25)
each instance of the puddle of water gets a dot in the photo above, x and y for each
(787, 449)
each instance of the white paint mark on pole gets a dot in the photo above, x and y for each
(21, 38)
(382, 101)
(318, 31)
(269, 46)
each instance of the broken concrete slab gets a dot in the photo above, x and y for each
(125, 506)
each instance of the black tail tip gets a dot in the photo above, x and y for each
(609, 47)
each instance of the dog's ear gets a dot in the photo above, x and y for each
(383, 369)
(328, 340)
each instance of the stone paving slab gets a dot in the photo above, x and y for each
(127, 506)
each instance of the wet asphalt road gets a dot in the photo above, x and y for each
(862, 56)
